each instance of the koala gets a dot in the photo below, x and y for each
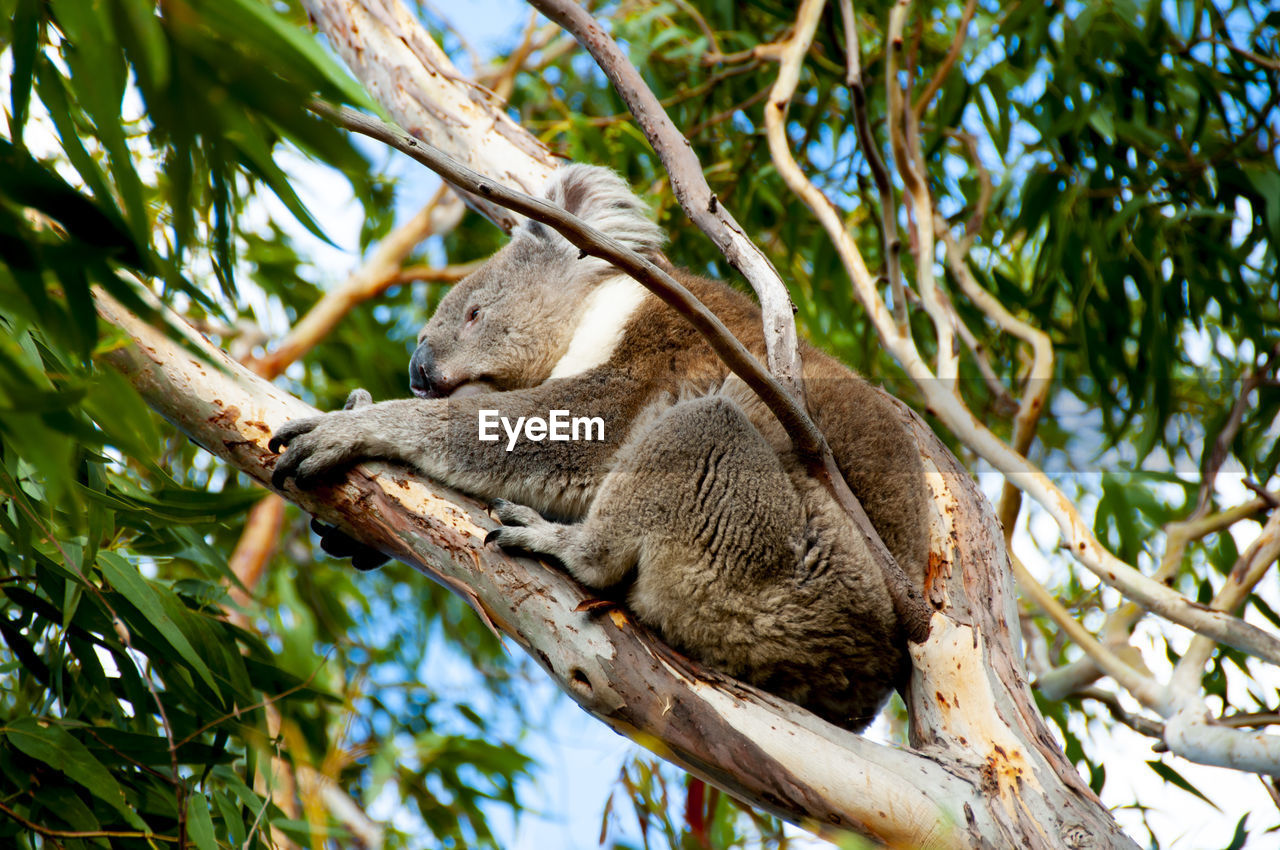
(691, 505)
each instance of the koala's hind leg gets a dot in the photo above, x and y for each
(697, 504)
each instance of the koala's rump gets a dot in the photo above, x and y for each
(748, 566)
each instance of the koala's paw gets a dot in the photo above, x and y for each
(524, 528)
(318, 447)
(339, 544)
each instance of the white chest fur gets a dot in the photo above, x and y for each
(601, 323)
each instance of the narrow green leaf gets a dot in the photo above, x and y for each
(26, 33)
(1172, 776)
(261, 18)
(125, 578)
(199, 823)
(54, 746)
(144, 39)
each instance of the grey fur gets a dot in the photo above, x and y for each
(693, 505)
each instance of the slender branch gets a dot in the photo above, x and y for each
(84, 833)
(1137, 722)
(985, 190)
(1004, 402)
(892, 243)
(1253, 379)
(691, 189)
(435, 274)
(1248, 570)
(904, 142)
(940, 75)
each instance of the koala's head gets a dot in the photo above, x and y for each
(506, 325)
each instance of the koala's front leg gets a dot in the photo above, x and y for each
(320, 446)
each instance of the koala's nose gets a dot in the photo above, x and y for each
(421, 368)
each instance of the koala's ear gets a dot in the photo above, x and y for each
(599, 197)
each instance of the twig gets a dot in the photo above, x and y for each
(728, 113)
(940, 76)
(1004, 402)
(1272, 784)
(435, 274)
(1248, 570)
(83, 833)
(503, 81)
(691, 189)
(1136, 722)
(240, 711)
(1253, 379)
(985, 190)
(713, 43)
(1249, 719)
(892, 244)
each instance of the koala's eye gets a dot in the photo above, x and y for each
(473, 314)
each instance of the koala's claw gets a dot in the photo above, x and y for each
(522, 528)
(290, 430)
(511, 513)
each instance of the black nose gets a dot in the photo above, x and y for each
(423, 378)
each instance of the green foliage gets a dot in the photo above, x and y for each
(131, 704)
(1135, 217)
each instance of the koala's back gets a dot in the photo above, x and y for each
(743, 561)
(863, 425)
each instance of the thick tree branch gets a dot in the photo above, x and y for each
(981, 772)
(413, 79)
(765, 751)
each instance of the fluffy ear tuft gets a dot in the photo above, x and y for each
(599, 197)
